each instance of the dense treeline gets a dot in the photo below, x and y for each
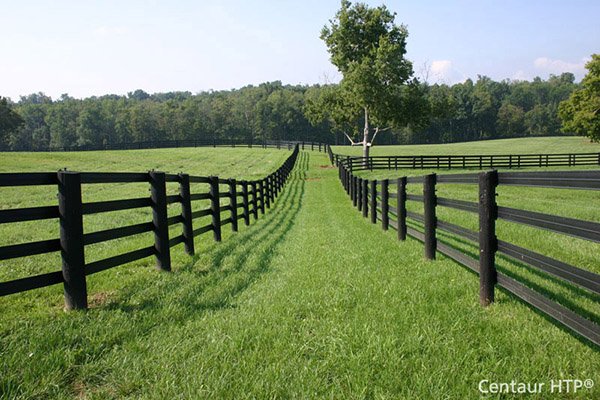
(465, 111)
(486, 109)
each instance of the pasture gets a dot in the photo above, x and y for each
(539, 145)
(312, 301)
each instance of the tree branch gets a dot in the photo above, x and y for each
(377, 130)
(352, 142)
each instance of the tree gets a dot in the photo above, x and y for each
(368, 48)
(9, 121)
(581, 112)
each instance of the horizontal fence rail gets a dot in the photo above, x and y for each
(216, 142)
(510, 161)
(243, 198)
(385, 200)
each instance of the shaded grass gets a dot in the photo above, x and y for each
(313, 301)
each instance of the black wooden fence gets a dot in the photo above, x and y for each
(216, 142)
(246, 199)
(386, 201)
(467, 161)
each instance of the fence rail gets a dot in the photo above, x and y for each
(216, 142)
(466, 161)
(254, 196)
(373, 197)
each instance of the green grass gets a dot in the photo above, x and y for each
(224, 162)
(541, 145)
(312, 301)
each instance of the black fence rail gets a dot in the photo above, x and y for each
(246, 199)
(509, 161)
(385, 201)
(216, 142)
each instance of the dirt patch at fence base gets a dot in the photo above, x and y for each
(326, 166)
(100, 299)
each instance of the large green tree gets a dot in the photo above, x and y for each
(9, 121)
(581, 112)
(368, 49)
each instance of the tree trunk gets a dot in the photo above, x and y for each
(366, 146)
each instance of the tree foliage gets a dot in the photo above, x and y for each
(581, 112)
(461, 112)
(368, 48)
(9, 121)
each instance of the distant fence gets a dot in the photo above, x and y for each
(386, 199)
(467, 161)
(246, 200)
(169, 144)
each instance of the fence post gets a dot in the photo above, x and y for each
(233, 205)
(373, 201)
(358, 202)
(488, 212)
(401, 205)
(245, 203)
(312, 146)
(355, 193)
(271, 188)
(261, 190)
(158, 190)
(186, 213)
(365, 198)
(385, 216)
(430, 219)
(215, 207)
(254, 200)
(267, 190)
(71, 240)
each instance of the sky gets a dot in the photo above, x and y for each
(95, 47)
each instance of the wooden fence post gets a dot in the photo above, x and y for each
(245, 203)
(358, 203)
(272, 188)
(373, 201)
(71, 240)
(429, 216)
(267, 191)
(254, 200)
(365, 198)
(385, 216)
(186, 213)
(488, 244)
(261, 190)
(215, 207)
(355, 192)
(158, 190)
(401, 208)
(233, 204)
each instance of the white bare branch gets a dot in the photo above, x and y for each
(352, 142)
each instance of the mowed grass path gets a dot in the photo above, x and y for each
(311, 302)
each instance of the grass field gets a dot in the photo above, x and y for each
(312, 301)
(541, 145)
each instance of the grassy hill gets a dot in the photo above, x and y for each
(312, 301)
(541, 145)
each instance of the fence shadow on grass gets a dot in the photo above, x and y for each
(231, 266)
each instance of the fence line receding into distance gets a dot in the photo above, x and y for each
(509, 161)
(245, 200)
(385, 201)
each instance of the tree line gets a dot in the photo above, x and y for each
(472, 110)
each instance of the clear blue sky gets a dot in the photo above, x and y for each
(86, 48)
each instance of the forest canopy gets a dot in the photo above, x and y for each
(471, 110)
